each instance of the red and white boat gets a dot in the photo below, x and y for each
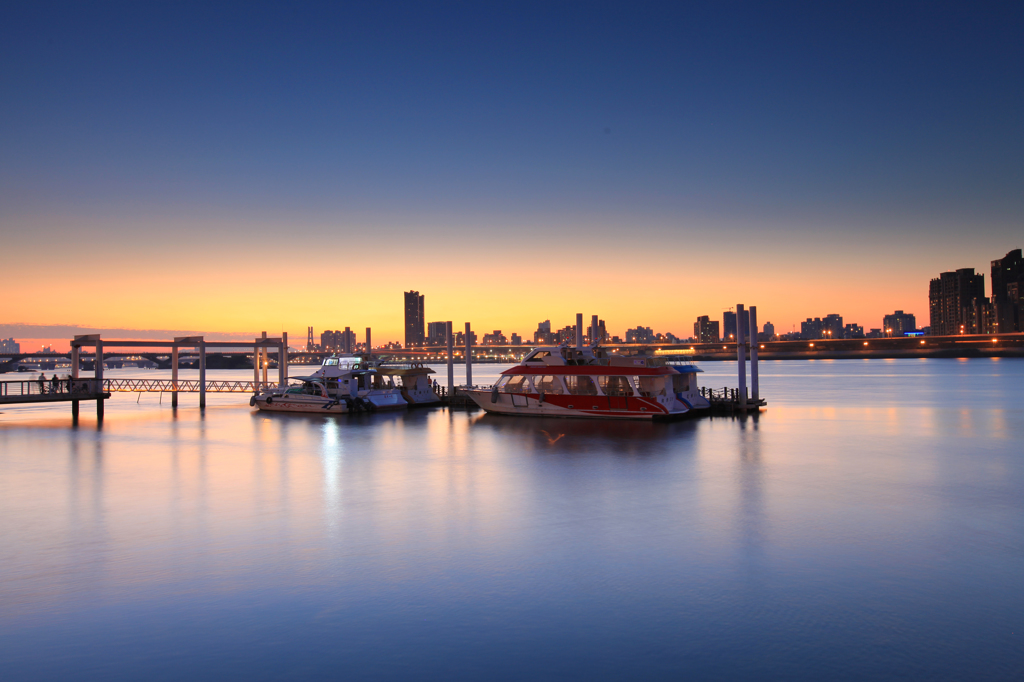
(561, 381)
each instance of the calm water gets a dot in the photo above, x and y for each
(868, 525)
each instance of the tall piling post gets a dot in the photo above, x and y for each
(265, 356)
(202, 372)
(284, 352)
(282, 363)
(76, 352)
(174, 374)
(451, 359)
(579, 331)
(754, 392)
(98, 374)
(256, 366)
(741, 355)
(469, 356)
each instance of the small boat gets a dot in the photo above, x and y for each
(561, 381)
(414, 382)
(342, 384)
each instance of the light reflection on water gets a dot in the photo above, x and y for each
(868, 525)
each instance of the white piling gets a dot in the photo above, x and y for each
(451, 358)
(754, 393)
(469, 356)
(284, 346)
(202, 372)
(266, 357)
(98, 372)
(741, 354)
(174, 373)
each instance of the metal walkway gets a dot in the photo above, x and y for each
(49, 391)
(183, 386)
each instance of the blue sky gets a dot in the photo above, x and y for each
(835, 132)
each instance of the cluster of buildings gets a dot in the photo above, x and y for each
(957, 303)
(9, 346)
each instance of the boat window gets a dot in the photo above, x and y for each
(331, 362)
(680, 383)
(502, 381)
(580, 385)
(615, 385)
(547, 384)
(517, 383)
(651, 387)
(538, 356)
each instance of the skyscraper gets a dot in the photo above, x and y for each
(1007, 286)
(437, 333)
(957, 304)
(899, 322)
(728, 326)
(705, 330)
(414, 319)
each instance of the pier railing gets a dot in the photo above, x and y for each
(184, 386)
(48, 387)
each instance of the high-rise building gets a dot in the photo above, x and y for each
(853, 331)
(543, 334)
(728, 326)
(957, 303)
(705, 330)
(769, 331)
(437, 333)
(832, 326)
(1007, 287)
(899, 322)
(640, 335)
(9, 346)
(602, 334)
(515, 339)
(414, 319)
(495, 338)
(811, 329)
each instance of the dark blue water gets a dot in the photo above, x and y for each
(868, 525)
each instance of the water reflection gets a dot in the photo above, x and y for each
(874, 505)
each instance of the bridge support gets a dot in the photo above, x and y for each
(76, 352)
(174, 374)
(98, 373)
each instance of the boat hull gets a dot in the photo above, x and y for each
(369, 402)
(576, 406)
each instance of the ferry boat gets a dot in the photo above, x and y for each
(342, 384)
(413, 380)
(561, 381)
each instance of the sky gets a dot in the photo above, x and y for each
(239, 167)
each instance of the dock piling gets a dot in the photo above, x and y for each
(741, 354)
(469, 356)
(755, 393)
(451, 359)
(202, 372)
(98, 373)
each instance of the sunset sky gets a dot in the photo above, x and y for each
(257, 167)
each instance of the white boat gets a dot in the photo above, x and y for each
(561, 381)
(414, 382)
(341, 385)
